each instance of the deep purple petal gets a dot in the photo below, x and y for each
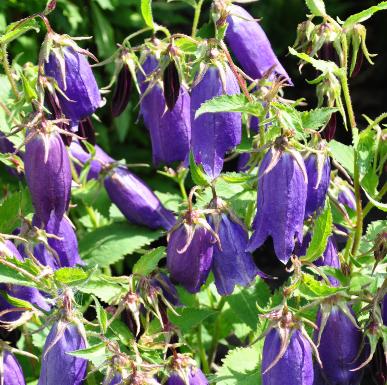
(190, 267)
(296, 365)
(280, 206)
(13, 373)
(339, 346)
(347, 197)
(137, 201)
(214, 134)
(49, 181)
(170, 131)
(250, 45)
(316, 192)
(58, 367)
(232, 265)
(81, 89)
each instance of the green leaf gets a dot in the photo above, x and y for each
(109, 244)
(197, 174)
(10, 275)
(317, 7)
(105, 4)
(321, 65)
(14, 205)
(101, 315)
(322, 229)
(236, 177)
(189, 317)
(290, 118)
(146, 10)
(107, 289)
(230, 103)
(343, 154)
(17, 302)
(311, 289)
(241, 367)
(363, 15)
(315, 119)
(243, 303)
(70, 275)
(149, 261)
(380, 205)
(103, 32)
(373, 230)
(15, 30)
(90, 353)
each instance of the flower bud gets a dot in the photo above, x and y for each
(328, 133)
(250, 45)
(339, 347)
(189, 255)
(214, 134)
(11, 372)
(136, 200)
(65, 244)
(86, 130)
(58, 367)
(295, 364)
(318, 169)
(171, 84)
(48, 174)
(100, 159)
(164, 124)
(347, 197)
(282, 191)
(122, 91)
(232, 264)
(79, 96)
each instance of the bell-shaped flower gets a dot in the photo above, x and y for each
(11, 372)
(170, 130)
(214, 134)
(250, 45)
(48, 173)
(282, 191)
(136, 200)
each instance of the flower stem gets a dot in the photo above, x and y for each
(215, 337)
(202, 351)
(198, 9)
(8, 72)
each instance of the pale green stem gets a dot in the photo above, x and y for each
(202, 351)
(198, 9)
(8, 71)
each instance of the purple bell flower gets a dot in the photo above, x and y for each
(116, 380)
(384, 310)
(195, 377)
(48, 174)
(136, 200)
(318, 183)
(214, 134)
(170, 131)
(250, 45)
(24, 293)
(282, 190)
(58, 367)
(11, 372)
(295, 367)
(101, 158)
(189, 255)
(339, 348)
(77, 82)
(66, 247)
(347, 197)
(6, 146)
(162, 281)
(232, 264)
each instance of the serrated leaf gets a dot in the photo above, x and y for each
(311, 289)
(149, 261)
(70, 275)
(230, 103)
(343, 154)
(290, 118)
(109, 244)
(241, 367)
(322, 229)
(373, 229)
(321, 65)
(317, 7)
(91, 353)
(189, 317)
(107, 289)
(315, 119)
(146, 11)
(243, 303)
(197, 174)
(9, 275)
(364, 15)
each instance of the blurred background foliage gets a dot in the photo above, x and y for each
(110, 21)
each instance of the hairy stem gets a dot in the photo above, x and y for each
(8, 71)
(202, 351)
